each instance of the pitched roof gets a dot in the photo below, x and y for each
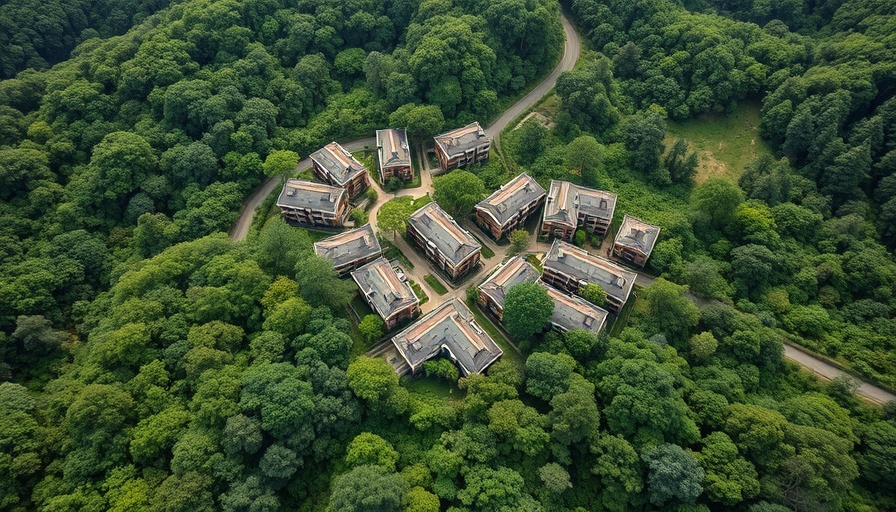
(572, 261)
(571, 312)
(349, 246)
(307, 194)
(516, 270)
(382, 287)
(450, 326)
(392, 148)
(436, 226)
(504, 204)
(458, 141)
(637, 234)
(566, 200)
(338, 162)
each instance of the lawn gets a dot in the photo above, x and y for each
(432, 387)
(317, 236)
(418, 291)
(486, 252)
(724, 143)
(360, 307)
(435, 284)
(535, 262)
(620, 321)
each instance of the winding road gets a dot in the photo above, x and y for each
(571, 50)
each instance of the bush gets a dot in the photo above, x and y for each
(359, 217)
(393, 184)
(580, 238)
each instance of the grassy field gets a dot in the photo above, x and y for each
(418, 291)
(435, 284)
(725, 144)
(432, 387)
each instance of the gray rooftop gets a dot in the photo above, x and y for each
(637, 234)
(436, 226)
(348, 246)
(571, 312)
(504, 204)
(382, 287)
(450, 327)
(458, 141)
(310, 195)
(516, 270)
(572, 261)
(566, 200)
(392, 148)
(338, 162)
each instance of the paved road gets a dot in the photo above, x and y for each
(240, 230)
(571, 51)
(830, 372)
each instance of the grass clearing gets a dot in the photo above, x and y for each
(418, 291)
(621, 320)
(535, 262)
(360, 307)
(435, 284)
(432, 387)
(724, 143)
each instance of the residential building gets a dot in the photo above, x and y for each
(571, 312)
(492, 291)
(394, 155)
(568, 268)
(509, 207)
(350, 249)
(462, 147)
(313, 204)
(450, 247)
(391, 297)
(449, 331)
(569, 206)
(334, 165)
(634, 241)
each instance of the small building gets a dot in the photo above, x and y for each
(509, 207)
(394, 155)
(452, 248)
(391, 297)
(462, 147)
(334, 165)
(569, 206)
(350, 249)
(568, 268)
(571, 312)
(492, 291)
(634, 241)
(313, 204)
(449, 331)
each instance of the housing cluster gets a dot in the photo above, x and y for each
(450, 329)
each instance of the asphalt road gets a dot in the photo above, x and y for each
(571, 49)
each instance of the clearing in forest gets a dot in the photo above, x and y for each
(724, 143)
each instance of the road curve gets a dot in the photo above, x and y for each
(571, 49)
(240, 230)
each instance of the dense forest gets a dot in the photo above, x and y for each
(150, 363)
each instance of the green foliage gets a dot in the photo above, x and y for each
(372, 328)
(458, 191)
(371, 449)
(594, 294)
(519, 241)
(672, 473)
(443, 368)
(367, 488)
(527, 308)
